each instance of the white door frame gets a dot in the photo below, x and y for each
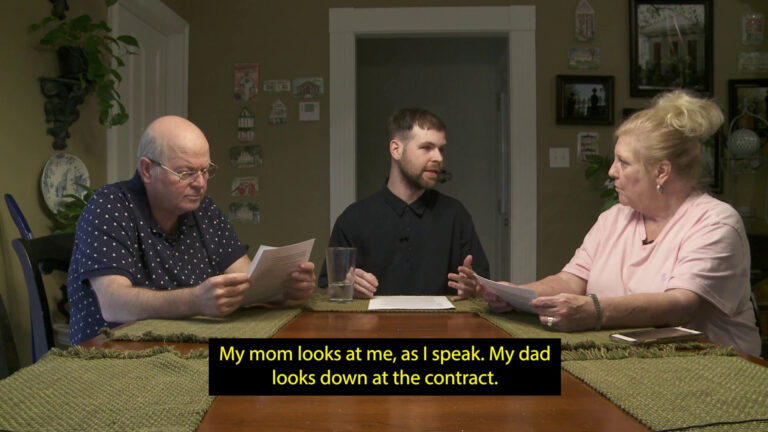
(519, 24)
(166, 21)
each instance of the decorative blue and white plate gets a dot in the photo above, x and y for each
(61, 174)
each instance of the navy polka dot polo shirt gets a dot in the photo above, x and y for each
(117, 235)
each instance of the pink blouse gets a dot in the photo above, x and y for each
(703, 249)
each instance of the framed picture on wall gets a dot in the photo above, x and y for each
(750, 94)
(584, 99)
(670, 46)
(712, 150)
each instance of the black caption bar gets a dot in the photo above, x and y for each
(384, 367)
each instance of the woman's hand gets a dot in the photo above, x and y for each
(565, 312)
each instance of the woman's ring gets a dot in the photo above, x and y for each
(550, 320)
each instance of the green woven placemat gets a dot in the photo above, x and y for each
(319, 303)
(78, 390)
(256, 322)
(525, 325)
(684, 391)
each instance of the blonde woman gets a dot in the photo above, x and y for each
(669, 254)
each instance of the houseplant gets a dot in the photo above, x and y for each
(67, 216)
(95, 53)
(598, 165)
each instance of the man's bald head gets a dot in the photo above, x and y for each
(165, 131)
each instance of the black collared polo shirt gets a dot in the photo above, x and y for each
(410, 248)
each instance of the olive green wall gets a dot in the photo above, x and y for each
(290, 39)
(26, 147)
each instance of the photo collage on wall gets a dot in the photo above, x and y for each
(246, 156)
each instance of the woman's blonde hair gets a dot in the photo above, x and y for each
(672, 129)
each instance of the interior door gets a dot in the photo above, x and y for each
(154, 80)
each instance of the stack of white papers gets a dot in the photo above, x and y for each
(518, 297)
(271, 267)
(409, 303)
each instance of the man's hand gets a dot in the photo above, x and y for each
(365, 284)
(221, 295)
(464, 282)
(301, 282)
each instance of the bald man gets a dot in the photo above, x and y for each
(156, 246)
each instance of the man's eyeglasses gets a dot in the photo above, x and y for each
(190, 176)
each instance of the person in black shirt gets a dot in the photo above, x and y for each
(410, 238)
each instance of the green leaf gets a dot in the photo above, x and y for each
(119, 119)
(608, 193)
(128, 40)
(590, 171)
(82, 22)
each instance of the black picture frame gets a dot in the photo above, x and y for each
(670, 46)
(584, 99)
(755, 93)
(712, 151)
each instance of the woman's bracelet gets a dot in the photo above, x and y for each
(598, 311)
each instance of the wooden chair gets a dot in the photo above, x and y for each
(9, 357)
(758, 249)
(38, 256)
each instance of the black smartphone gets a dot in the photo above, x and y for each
(657, 335)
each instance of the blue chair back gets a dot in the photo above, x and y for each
(38, 256)
(18, 217)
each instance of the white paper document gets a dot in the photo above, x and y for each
(517, 296)
(409, 302)
(270, 268)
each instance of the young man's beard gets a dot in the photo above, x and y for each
(416, 180)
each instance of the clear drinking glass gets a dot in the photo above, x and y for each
(340, 264)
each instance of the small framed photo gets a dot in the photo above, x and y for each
(245, 156)
(752, 28)
(750, 95)
(309, 111)
(712, 150)
(583, 58)
(584, 99)
(585, 21)
(247, 212)
(587, 143)
(670, 46)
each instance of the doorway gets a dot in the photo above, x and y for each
(154, 80)
(462, 80)
(515, 23)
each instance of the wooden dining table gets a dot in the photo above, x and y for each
(578, 407)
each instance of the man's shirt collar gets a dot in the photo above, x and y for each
(426, 199)
(139, 191)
